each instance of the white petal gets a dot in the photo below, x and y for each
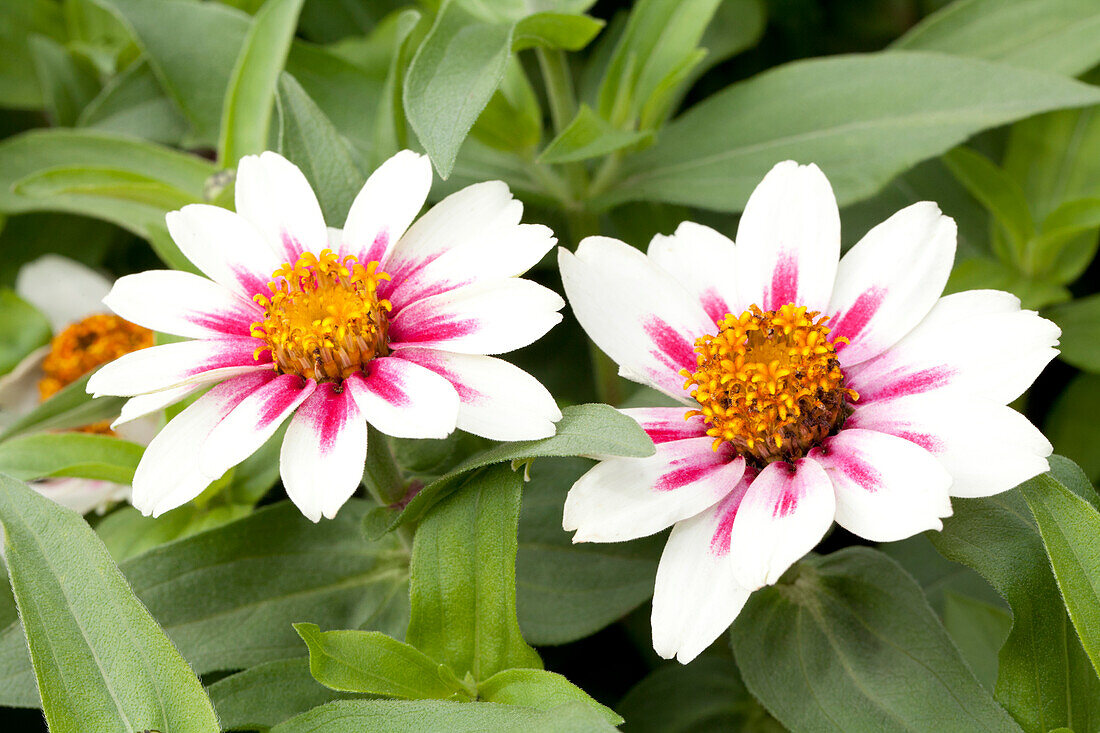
(275, 196)
(887, 488)
(225, 246)
(82, 495)
(491, 317)
(146, 404)
(63, 289)
(386, 205)
(506, 251)
(252, 422)
(788, 240)
(176, 364)
(705, 263)
(497, 400)
(168, 474)
(455, 222)
(404, 399)
(19, 387)
(183, 304)
(784, 514)
(695, 597)
(626, 498)
(636, 312)
(977, 343)
(890, 280)
(985, 446)
(323, 452)
(665, 424)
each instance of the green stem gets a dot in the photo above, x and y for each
(609, 385)
(382, 476)
(558, 80)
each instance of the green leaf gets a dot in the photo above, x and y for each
(73, 602)
(71, 407)
(706, 695)
(133, 103)
(979, 630)
(127, 533)
(250, 96)
(589, 136)
(438, 716)
(310, 141)
(555, 30)
(939, 577)
(373, 663)
(1072, 426)
(513, 119)
(1080, 324)
(463, 589)
(849, 643)
(999, 193)
(1062, 36)
(1070, 528)
(267, 694)
(81, 455)
(820, 110)
(451, 78)
(594, 429)
(566, 591)
(103, 181)
(22, 330)
(39, 152)
(1067, 241)
(1044, 679)
(68, 82)
(660, 36)
(227, 597)
(19, 22)
(390, 133)
(537, 688)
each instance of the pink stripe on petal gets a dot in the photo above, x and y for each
(231, 352)
(251, 282)
(891, 386)
(666, 424)
(858, 470)
(714, 305)
(784, 285)
(384, 379)
(378, 247)
(439, 327)
(285, 390)
(427, 359)
(692, 467)
(293, 248)
(727, 512)
(328, 410)
(673, 349)
(851, 322)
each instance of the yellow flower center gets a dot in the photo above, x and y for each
(769, 384)
(85, 345)
(324, 320)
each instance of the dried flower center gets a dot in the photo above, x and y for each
(769, 384)
(85, 345)
(324, 320)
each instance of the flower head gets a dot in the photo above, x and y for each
(85, 337)
(812, 388)
(380, 322)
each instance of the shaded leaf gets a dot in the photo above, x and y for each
(22, 330)
(81, 455)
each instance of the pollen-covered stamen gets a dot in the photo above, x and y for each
(87, 344)
(324, 320)
(769, 384)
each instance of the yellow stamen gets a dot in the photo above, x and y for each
(323, 320)
(769, 383)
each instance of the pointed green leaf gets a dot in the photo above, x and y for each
(463, 573)
(133, 103)
(250, 96)
(999, 193)
(451, 78)
(371, 662)
(1080, 324)
(555, 30)
(820, 110)
(1072, 426)
(537, 688)
(68, 82)
(589, 136)
(1070, 527)
(73, 602)
(72, 407)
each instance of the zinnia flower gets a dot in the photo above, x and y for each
(337, 328)
(812, 388)
(70, 295)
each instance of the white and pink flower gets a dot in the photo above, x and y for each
(387, 321)
(847, 389)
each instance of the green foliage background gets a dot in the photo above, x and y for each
(604, 117)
